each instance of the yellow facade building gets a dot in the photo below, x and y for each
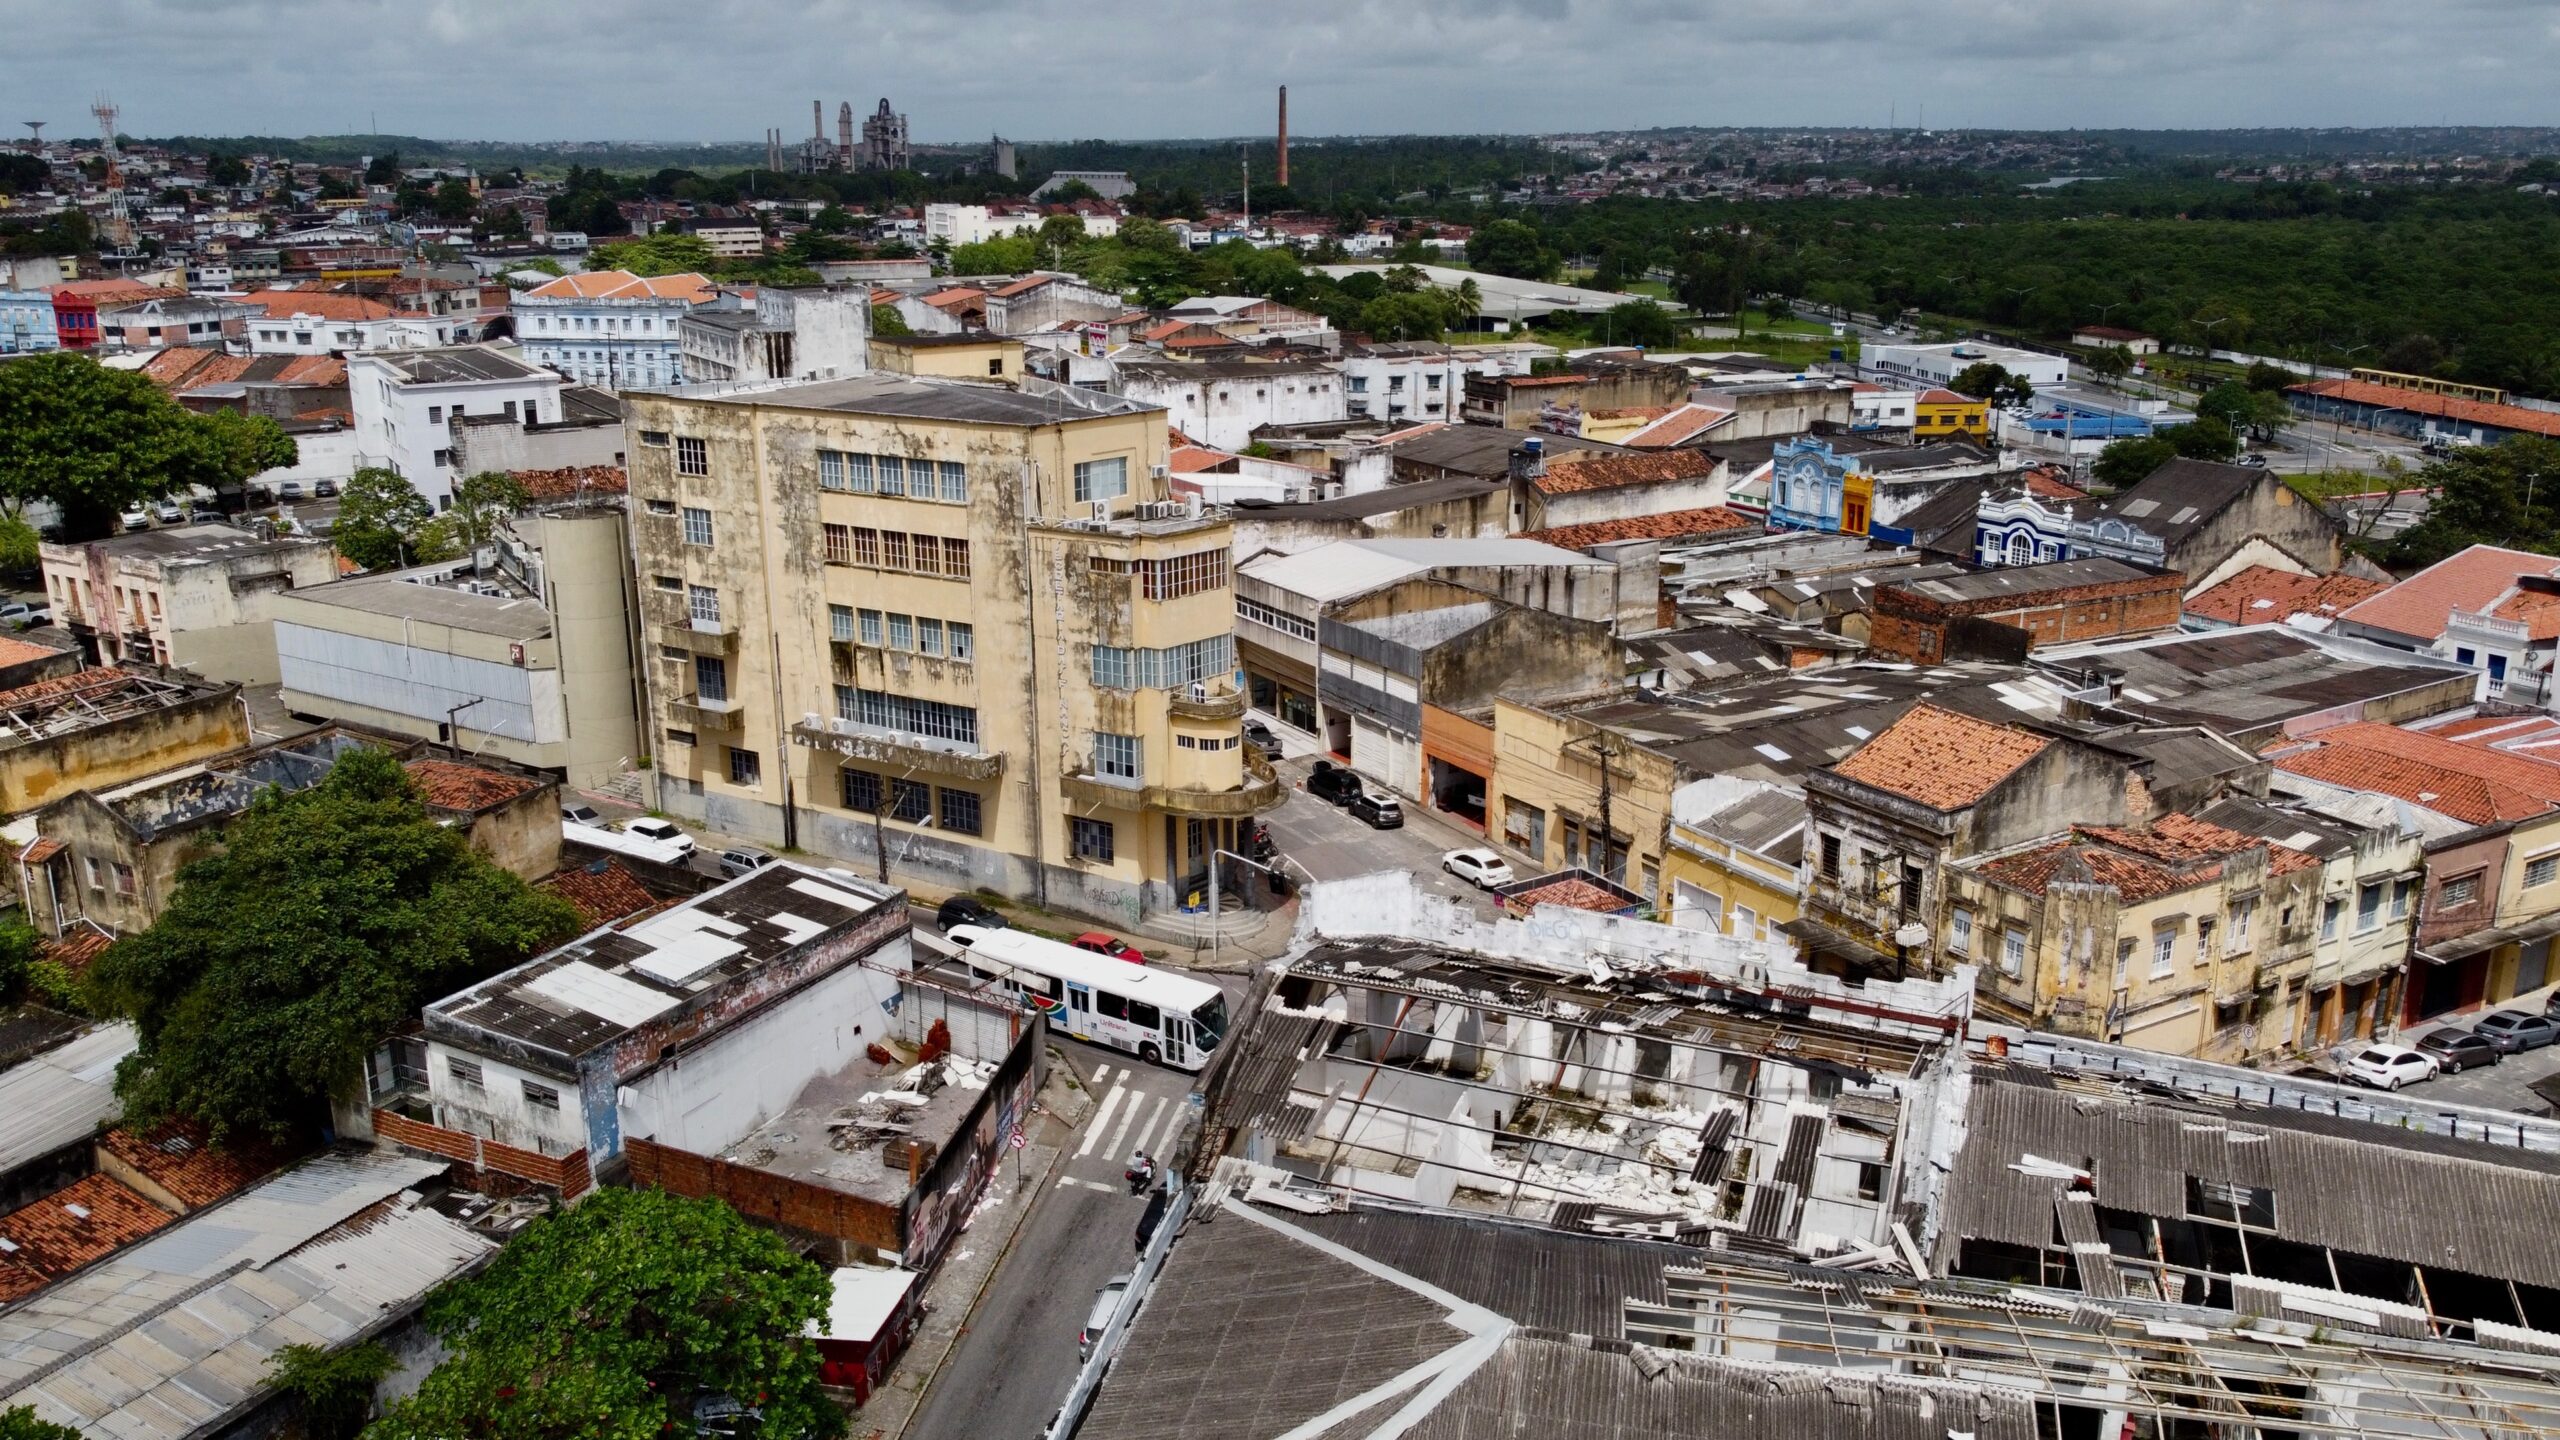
(951, 633)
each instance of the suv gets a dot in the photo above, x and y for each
(967, 910)
(1381, 812)
(2514, 1030)
(325, 489)
(662, 831)
(1332, 784)
(734, 863)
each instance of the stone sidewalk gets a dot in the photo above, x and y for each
(951, 1296)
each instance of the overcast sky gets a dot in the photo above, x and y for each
(1137, 69)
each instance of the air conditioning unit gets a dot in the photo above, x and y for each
(1101, 511)
(1158, 471)
(811, 720)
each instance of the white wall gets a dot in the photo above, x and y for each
(498, 1110)
(707, 1099)
(403, 425)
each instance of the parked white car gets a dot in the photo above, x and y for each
(649, 827)
(2388, 1067)
(1477, 866)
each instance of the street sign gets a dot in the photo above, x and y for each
(1017, 1140)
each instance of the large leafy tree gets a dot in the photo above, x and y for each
(328, 917)
(610, 1321)
(2503, 494)
(380, 515)
(479, 502)
(1640, 322)
(662, 254)
(22, 1423)
(96, 441)
(1510, 247)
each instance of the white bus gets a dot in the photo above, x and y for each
(1159, 1016)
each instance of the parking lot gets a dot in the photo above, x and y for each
(1329, 844)
(2506, 1085)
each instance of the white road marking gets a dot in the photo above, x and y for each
(1101, 1118)
(1125, 1117)
(1101, 1076)
(1087, 1184)
(1154, 1118)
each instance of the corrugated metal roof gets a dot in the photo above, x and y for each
(51, 1100)
(1530, 1275)
(2338, 1183)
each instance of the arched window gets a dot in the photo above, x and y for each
(2022, 551)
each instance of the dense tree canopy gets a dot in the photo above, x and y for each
(380, 517)
(21, 1422)
(328, 917)
(615, 1319)
(2504, 494)
(96, 441)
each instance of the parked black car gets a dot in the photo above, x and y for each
(1379, 812)
(2459, 1049)
(2514, 1030)
(1331, 783)
(967, 910)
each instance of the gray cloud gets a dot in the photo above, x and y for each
(1037, 69)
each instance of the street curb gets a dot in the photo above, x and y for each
(1031, 1193)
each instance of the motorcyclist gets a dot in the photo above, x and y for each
(1141, 1172)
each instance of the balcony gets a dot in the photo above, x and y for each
(1259, 792)
(912, 753)
(1218, 699)
(693, 712)
(698, 637)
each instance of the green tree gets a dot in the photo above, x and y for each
(2229, 402)
(1509, 247)
(331, 1390)
(1003, 255)
(1984, 380)
(383, 170)
(1640, 322)
(832, 220)
(227, 170)
(19, 946)
(18, 541)
(2265, 377)
(235, 447)
(2203, 438)
(479, 503)
(659, 254)
(2504, 494)
(2111, 362)
(2123, 463)
(380, 515)
(328, 917)
(1058, 234)
(887, 323)
(96, 441)
(22, 1423)
(454, 201)
(610, 1321)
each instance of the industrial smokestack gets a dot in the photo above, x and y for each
(818, 121)
(1284, 135)
(844, 134)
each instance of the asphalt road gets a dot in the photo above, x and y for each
(1332, 845)
(1018, 1356)
(2503, 1086)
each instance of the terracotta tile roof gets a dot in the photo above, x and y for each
(1576, 894)
(954, 295)
(41, 849)
(623, 285)
(182, 368)
(2111, 332)
(114, 292)
(78, 948)
(1943, 396)
(1673, 525)
(2178, 852)
(1609, 472)
(2474, 579)
(1679, 425)
(1631, 412)
(85, 1221)
(1020, 287)
(2472, 783)
(1195, 459)
(1211, 341)
(321, 304)
(178, 1158)
(602, 893)
(1534, 382)
(14, 651)
(2263, 594)
(1942, 759)
(1410, 431)
(572, 480)
(2048, 483)
(100, 677)
(449, 786)
(2419, 402)
(316, 370)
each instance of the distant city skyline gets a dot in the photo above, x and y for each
(723, 71)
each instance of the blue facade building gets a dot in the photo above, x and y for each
(26, 323)
(1813, 488)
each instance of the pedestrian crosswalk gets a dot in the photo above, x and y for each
(1129, 1119)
